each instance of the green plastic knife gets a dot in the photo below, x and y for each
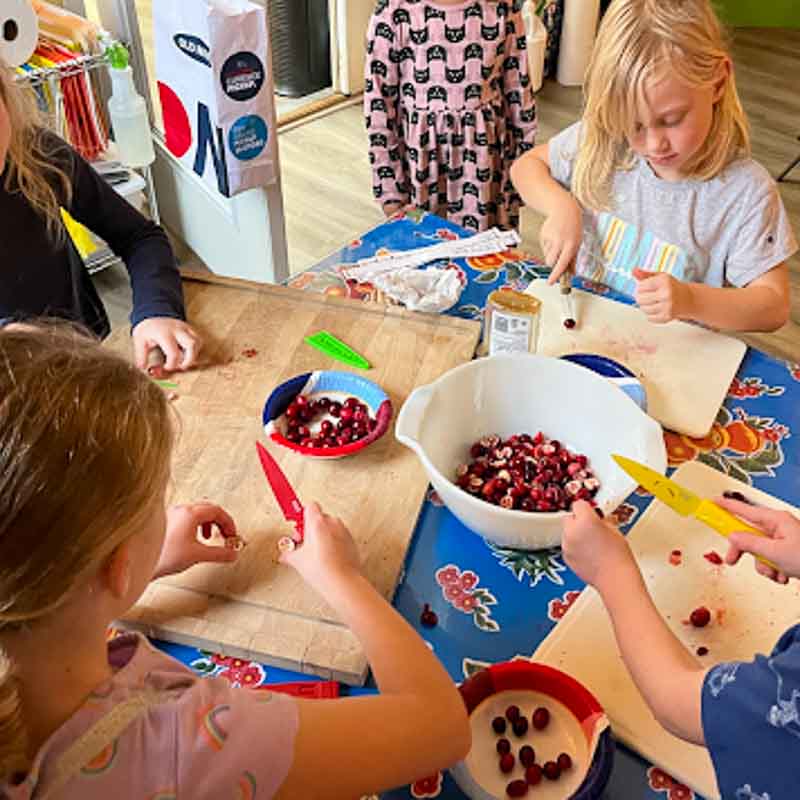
(335, 348)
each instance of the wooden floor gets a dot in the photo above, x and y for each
(327, 183)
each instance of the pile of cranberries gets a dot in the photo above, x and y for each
(342, 423)
(528, 473)
(552, 770)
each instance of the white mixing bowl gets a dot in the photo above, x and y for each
(516, 394)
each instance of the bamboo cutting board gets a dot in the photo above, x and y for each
(749, 614)
(258, 609)
(686, 369)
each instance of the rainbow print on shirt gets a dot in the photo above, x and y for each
(615, 248)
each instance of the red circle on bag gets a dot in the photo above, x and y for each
(177, 127)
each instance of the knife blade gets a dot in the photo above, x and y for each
(290, 505)
(687, 503)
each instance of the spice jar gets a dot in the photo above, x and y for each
(512, 322)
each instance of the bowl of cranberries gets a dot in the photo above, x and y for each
(327, 414)
(511, 442)
(535, 731)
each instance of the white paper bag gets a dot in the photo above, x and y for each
(214, 79)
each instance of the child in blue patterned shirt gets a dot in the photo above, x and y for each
(746, 713)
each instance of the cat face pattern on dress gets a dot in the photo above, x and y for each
(457, 107)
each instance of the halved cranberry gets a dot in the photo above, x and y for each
(512, 713)
(517, 788)
(540, 718)
(499, 725)
(507, 762)
(520, 726)
(527, 755)
(533, 775)
(564, 762)
(477, 450)
(503, 746)
(551, 771)
(714, 557)
(700, 617)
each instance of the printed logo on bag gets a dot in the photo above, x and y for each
(248, 137)
(194, 47)
(242, 76)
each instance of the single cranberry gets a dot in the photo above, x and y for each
(520, 726)
(477, 450)
(731, 495)
(428, 617)
(324, 402)
(346, 414)
(291, 411)
(303, 432)
(499, 725)
(540, 718)
(700, 617)
(301, 400)
(569, 323)
(360, 416)
(714, 557)
(552, 771)
(533, 775)
(345, 436)
(564, 762)
(372, 424)
(517, 788)
(702, 651)
(326, 427)
(512, 713)
(507, 762)
(527, 755)
(503, 746)
(352, 402)
(335, 408)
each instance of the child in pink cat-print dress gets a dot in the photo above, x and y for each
(449, 107)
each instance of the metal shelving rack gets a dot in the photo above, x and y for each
(52, 77)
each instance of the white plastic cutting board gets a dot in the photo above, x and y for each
(685, 369)
(756, 613)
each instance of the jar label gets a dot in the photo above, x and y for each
(510, 333)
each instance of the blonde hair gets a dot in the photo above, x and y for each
(30, 167)
(636, 39)
(85, 443)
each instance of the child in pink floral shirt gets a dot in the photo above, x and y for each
(85, 449)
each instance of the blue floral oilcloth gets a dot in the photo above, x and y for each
(751, 721)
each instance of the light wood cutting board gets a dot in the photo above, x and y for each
(755, 614)
(685, 369)
(257, 608)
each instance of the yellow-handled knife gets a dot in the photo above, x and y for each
(686, 502)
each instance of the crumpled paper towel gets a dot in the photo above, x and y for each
(430, 290)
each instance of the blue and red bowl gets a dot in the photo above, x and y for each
(578, 726)
(335, 385)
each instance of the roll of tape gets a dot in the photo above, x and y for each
(19, 32)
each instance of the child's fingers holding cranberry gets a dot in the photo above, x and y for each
(328, 550)
(592, 547)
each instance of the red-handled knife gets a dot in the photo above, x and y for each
(292, 508)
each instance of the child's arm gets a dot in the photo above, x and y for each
(781, 545)
(562, 231)
(762, 305)
(668, 676)
(158, 317)
(381, 96)
(520, 102)
(416, 726)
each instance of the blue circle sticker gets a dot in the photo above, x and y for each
(248, 137)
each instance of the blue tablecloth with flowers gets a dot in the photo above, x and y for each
(495, 603)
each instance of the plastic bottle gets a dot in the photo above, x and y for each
(128, 111)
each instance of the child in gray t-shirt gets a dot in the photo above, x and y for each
(653, 192)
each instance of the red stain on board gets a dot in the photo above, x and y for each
(250, 352)
(713, 557)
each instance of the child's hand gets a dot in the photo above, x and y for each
(781, 545)
(181, 548)
(561, 235)
(328, 550)
(662, 297)
(178, 341)
(593, 548)
(390, 209)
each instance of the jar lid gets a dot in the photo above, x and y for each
(511, 300)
